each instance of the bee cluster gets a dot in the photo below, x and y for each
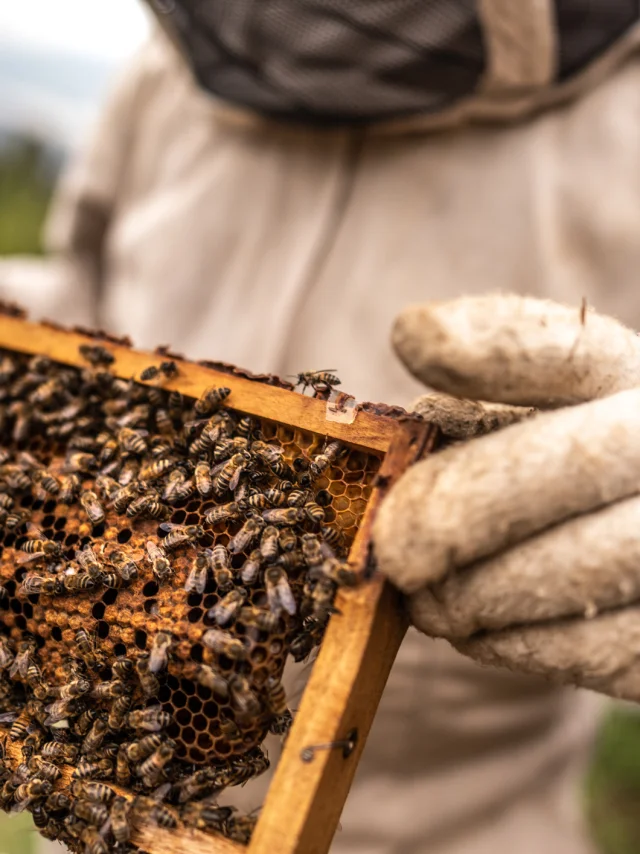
(160, 558)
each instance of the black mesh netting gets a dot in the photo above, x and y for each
(332, 61)
(586, 28)
(355, 61)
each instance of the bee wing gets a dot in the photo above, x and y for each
(168, 526)
(235, 480)
(285, 596)
(31, 558)
(153, 550)
(8, 717)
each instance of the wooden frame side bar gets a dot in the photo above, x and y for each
(368, 431)
(305, 798)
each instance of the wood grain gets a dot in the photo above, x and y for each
(304, 801)
(154, 840)
(368, 431)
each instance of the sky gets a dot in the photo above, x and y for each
(57, 58)
(108, 30)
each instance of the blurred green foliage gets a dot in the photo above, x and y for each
(27, 174)
(612, 787)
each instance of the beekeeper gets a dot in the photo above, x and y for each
(272, 184)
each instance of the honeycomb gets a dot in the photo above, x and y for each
(210, 729)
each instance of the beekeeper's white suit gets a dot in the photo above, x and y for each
(282, 247)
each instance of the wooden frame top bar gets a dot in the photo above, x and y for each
(368, 431)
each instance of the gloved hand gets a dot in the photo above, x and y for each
(523, 546)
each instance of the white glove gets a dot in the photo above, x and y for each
(523, 546)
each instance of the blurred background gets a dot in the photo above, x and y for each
(53, 78)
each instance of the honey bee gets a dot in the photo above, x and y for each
(96, 355)
(148, 504)
(222, 643)
(206, 816)
(229, 729)
(152, 769)
(284, 516)
(159, 657)
(251, 567)
(87, 790)
(266, 452)
(322, 597)
(122, 668)
(126, 567)
(128, 471)
(47, 481)
(246, 535)
(124, 495)
(118, 712)
(123, 769)
(337, 571)
(76, 582)
(203, 479)
(79, 462)
(210, 401)
(279, 594)
(194, 786)
(58, 802)
(269, 544)
(240, 828)
(281, 724)
(6, 654)
(157, 469)
(99, 770)
(94, 738)
(323, 381)
(168, 370)
(25, 652)
(91, 812)
(321, 462)
(57, 751)
(6, 501)
(226, 447)
(106, 486)
(159, 562)
(92, 507)
(75, 688)
(89, 562)
(87, 650)
(227, 609)
(119, 815)
(163, 420)
(178, 487)
(34, 584)
(42, 547)
(180, 535)
(259, 618)
(93, 841)
(211, 679)
(275, 695)
(33, 790)
(35, 681)
(151, 719)
(42, 769)
(198, 574)
(315, 513)
(16, 520)
(222, 513)
(332, 536)
(108, 690)
(287, 540)
(132, 441)
(243, 699)
(175, 402)
(137, 751)
(148, 681)
(149, 811)
(227, 477)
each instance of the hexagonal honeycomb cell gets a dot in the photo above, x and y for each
(123, 620)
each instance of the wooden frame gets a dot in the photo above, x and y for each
(310, 786)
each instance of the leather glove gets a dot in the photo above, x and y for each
(523, 546)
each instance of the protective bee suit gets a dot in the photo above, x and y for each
(279, 198)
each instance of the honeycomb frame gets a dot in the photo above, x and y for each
(309, 788)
